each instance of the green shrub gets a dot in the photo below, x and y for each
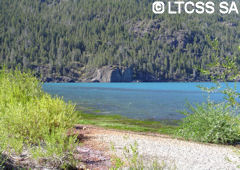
(210, 122)
(30, 118)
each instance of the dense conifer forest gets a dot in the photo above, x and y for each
(69, 38)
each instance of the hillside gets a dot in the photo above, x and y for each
(66, 40)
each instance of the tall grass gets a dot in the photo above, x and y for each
(30, 118)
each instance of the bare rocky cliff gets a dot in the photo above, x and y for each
(79, 73)
(111, 74)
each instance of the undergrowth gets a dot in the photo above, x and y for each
(32, 119)
(211, 122)
(216, 122)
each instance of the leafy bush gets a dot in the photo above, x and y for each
(213, 123)
(30, 118)
(220, 122)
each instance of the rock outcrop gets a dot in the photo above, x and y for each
(112, 74)
(79, 73)
(146, 77)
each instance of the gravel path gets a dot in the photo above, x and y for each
(177, 154)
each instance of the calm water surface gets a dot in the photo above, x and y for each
(152, 101)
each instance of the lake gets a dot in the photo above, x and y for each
(144, 101)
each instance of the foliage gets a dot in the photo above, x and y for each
(31, 119)
(213, 123)
(216, 122)
(55, 37)
(222, 68)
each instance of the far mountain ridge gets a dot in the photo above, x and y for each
(70, 40)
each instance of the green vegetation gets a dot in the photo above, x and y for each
(33, 121)
(213, 123)
(216, 122)
(122, 123)
(68, 38)
(133, 160)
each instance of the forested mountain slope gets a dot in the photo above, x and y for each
(65, 40)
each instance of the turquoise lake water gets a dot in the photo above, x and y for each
(145, 101)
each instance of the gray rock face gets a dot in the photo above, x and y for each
(115, 75)
(112, 74)
(74, 74)
(127, 75)
(146, 77)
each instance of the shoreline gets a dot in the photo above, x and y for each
(168, 81)
(169, 152)
(101, 146)
(126, 124)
